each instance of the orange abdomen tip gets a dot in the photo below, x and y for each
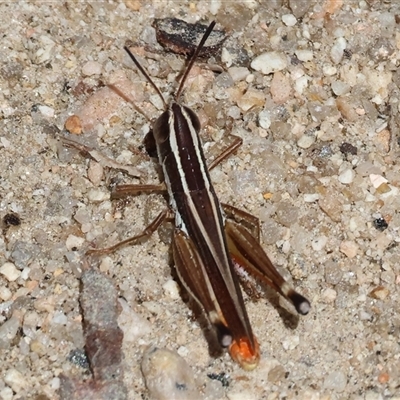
(245, 353)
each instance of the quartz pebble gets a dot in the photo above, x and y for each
(238, 73)
(270, 62)
(349, 248)
(347, 176)
(340, 88)
(304, 55)
(306, 141)
(171, 288)
(15, 379)
(335, 381)
(337, 50)
(9, 271)
(95, 172)
(8, 331)
(250, 99)
(329, 295)
(131, 323)
(280, 88)
(289, 19)
(91, 68)
(168, 376)
(74, 242)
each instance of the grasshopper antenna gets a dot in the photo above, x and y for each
(146, 75)
(193, 58)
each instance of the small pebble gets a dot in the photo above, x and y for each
(95, 172)
(73, 125)
(238, 73)
(6, 394)
(5, 293)
(8, 331)
(250, 99)
(347, 176)
(289, 19)
(270, 62)
(133, 5)
(132, 324)
(168, 376)
(306, 141)
(329, 295)
(310, 197)
(264, 119)
(377, 180)
(379, 293)
(340, 88)
(46, 111)
(280, 88)
(91, 68)
(10, 272)
(319, 243)
(97, 195)
(304, 55)
(15, 380)
(337, 50)
(335, 381)
(349, 248)
(291, 342)
(74, 242)
(171, 289)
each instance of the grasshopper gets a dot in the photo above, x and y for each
(207, 246)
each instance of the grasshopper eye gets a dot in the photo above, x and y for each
(194, 119)
(161, 127)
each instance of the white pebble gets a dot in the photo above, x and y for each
(132, 324)
(106, 264)
(310, 197)
(347, 176)
(319, 243)
(329, 295)
(226, 57)
(60, 318)
(97, 195)
(15, 380)
(171, 289)
(291, 342)
(95, 172)
(6, 394)
(329, 70)
(338, 49)
(25, 273)
(340, 88)
(289, 19)
(10, 272)
(46, 111)
(377, 180)
(74, 242)
(306, 141)
(270, 62)
(335, 381)
(264, 119)
(301, 83)
(215, 5)
(168, 376)
(349, 248)
(91, 68)
(304, 55)
(5, 293)
(238, 73)
(242, 395)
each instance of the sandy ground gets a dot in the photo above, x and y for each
(313, 90)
